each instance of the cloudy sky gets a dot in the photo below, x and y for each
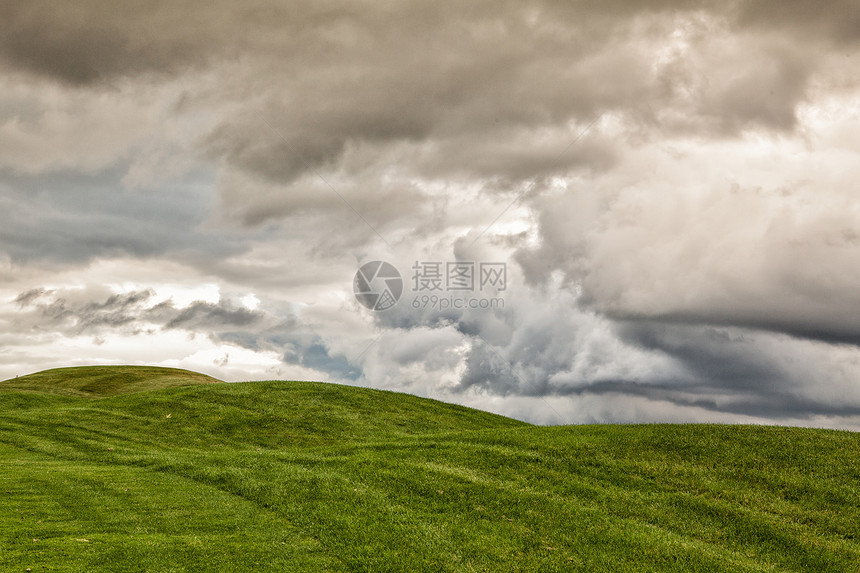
(670, 186)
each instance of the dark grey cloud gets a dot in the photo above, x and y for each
(112, 312)
(487, 369)
(96, 41)
(832, 331)
(497, 92)
(497, 96)
(27, 298)
(76, 312)
(739, 370)
(836, 20)
(49, 310)
(723, 370)
(206, 315)
(69, 217)
(92, 40)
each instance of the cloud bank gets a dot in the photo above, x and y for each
(671, 186)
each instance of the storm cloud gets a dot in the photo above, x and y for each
(671, 185)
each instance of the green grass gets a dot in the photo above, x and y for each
(126, 469)
(98, 381)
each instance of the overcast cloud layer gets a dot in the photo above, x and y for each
(671, 184)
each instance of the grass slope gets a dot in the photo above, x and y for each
(297, 476)
(96, 381)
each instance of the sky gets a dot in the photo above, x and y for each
(600, 211)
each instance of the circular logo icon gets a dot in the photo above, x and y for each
(377, 285)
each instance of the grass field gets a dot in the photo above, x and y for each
(150, 469)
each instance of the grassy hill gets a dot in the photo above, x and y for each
(132, 469)
(97, 381)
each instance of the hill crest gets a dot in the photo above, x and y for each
(100, 381)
